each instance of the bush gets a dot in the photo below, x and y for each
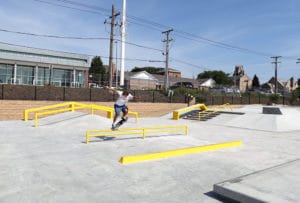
(274, 98)
(295, 96)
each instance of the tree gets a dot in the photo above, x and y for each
(151, 70)
(255, 82)
(97, 70)
(220, 77)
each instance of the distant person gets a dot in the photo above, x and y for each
(120, 104)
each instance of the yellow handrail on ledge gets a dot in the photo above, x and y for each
(214, 110)
(177, 113)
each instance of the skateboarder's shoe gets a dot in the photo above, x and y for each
(113, 127)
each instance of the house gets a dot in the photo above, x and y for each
(145, 80)
(140, 81)
(270, 86)
(206, 83)
(171, 72)
(291, 84)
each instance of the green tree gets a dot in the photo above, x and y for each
(97, 71)
(255, 82)
(151, 70)
(220, 77)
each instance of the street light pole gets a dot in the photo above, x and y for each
(116, 63)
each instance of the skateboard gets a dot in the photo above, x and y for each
(121, 122)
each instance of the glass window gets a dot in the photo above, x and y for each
(62, 77)
(6, 73)
(43, 76)
(79, 78)
(25, 75)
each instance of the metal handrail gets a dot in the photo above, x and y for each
(135, 131)
(215, 110)
(70, 106)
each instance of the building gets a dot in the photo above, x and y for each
(140, 81)
(206, 83)
(240, 80)
(32, 66)
(291, 84)
(282, 86)
(171, 72)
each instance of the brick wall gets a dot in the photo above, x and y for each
(51, 93)
(14, 109)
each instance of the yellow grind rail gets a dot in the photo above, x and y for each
(223, 106)
(213, 110)
(70, 106)
(177, 113)
(136, 131)
(177, 152)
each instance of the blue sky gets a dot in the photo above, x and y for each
(265, 26)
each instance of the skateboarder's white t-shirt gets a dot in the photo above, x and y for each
(123, 100)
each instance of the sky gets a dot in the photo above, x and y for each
(208, 34)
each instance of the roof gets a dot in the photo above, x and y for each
(35, 55)
(142, 75)
(162, 70)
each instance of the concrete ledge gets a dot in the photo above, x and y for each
(269, 185)
(171, 153)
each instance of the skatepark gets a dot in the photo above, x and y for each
(52, 162)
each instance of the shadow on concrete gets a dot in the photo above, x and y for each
(220, 198)
(118, 138)
(59, 120)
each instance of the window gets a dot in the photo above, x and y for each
(43, 76)
(25, 75)
(62, 77)
(6, 73)
(79, 78)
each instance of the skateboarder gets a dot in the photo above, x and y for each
(120, 105)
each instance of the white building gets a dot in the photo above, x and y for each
(32, 66)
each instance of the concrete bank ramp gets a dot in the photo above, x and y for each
(277, 184)
(254, 119)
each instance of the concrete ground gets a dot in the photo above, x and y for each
(52, 163)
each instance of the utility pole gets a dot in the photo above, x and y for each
(275, 62)
(116, 63)
(112, 25)
(166, 79)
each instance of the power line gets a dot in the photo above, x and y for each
(54, 36)
(158, 27)
(90, 55)
(69, 7)
(187, 63)
(180, 33)
(76, 38)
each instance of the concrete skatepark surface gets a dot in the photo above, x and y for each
(52, 163)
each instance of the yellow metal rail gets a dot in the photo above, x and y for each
(36, 122)
(213, 110)
(177, 113)
(70, 106)
(224, 106)
(178, 152)
(136, 131)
